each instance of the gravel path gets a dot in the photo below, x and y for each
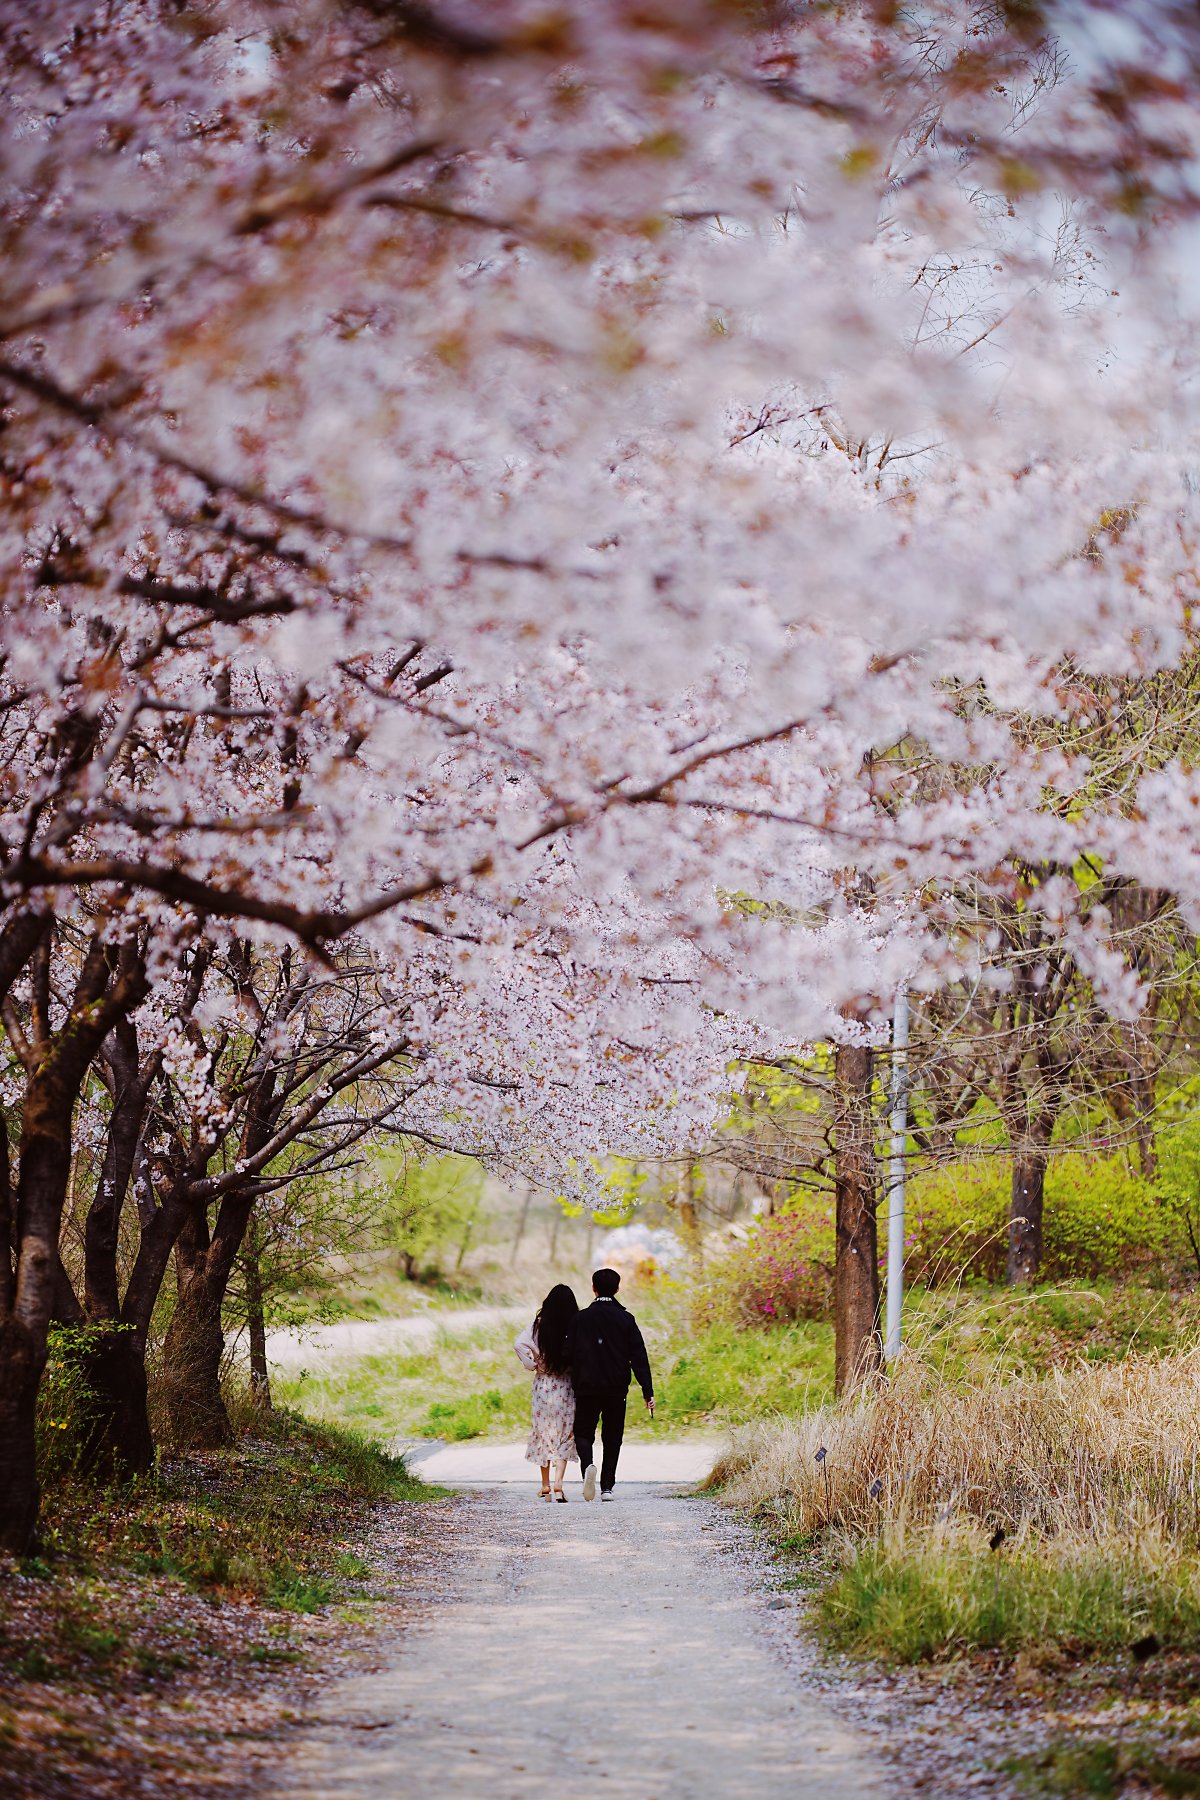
(625, 1649)
(313, 1346)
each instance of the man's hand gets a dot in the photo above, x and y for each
(650, 1406)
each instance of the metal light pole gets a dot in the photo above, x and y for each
(895, 1255)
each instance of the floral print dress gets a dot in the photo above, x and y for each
(552, 1428)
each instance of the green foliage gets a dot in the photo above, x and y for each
(255, 1521)
(430, 1204)
(730, 1376)
(916, 1595)
(1076, 1769)
(1179, 1180)
(782, 1272)
(1100, 1219)
(297, 1236)
(626, 1185)
(65, 1405)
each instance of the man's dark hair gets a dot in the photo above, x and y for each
(606, 1282)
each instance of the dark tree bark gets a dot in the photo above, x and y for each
(858, 1350)
(194, 1347)
(101, 1295)
(8, 1226)
(110, 984)
(117, 1440)
(1031, 1156)
(256, 1324)
(22, 1359)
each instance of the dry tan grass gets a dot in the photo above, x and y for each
(1099, 1452)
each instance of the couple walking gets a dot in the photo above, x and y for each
(582, 1363)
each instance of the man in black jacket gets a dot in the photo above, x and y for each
(607, 1348)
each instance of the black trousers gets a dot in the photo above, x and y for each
(608, 1411)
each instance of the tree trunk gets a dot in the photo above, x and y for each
(194, 1347)
(1025, 1214)
(22, 1359)
(1143, 1124)
(110, 984)
(117, 1442)
(260, 1379)
(192, 1354)
(42, 1182)
(689, 1218)
(522, 1220)
(858, 1349)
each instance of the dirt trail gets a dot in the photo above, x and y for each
(624, 1649)
(313, 1346)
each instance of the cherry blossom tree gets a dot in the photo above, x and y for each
(482, 488)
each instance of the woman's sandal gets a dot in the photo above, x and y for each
(545, 1494)
(560, 1496)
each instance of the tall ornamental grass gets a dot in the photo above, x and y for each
(1012, 1515)
(1095, 1450)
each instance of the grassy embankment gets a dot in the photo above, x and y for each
(467, 1383)
(159, 1624)
(1024, 1495)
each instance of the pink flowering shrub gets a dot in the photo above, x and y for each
(782, 1272)
(1101, 1220)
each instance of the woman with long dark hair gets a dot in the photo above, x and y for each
(545, 1347)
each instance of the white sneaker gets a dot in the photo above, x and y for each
(607, 1494)
(589, 1482)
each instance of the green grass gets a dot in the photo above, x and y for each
(1080, 1768)
(730, 1376)
(921, 1595)
(379, 1290)
(972, 1332)
(463, 1385)
(256, 1520)
(468, 1384)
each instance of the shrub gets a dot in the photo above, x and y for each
(1100, 1219)
(782, 1272)
(65, 1404)
(1179, 1181)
